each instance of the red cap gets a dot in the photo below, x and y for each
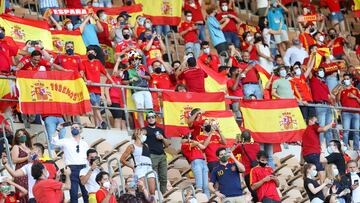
(125, 60)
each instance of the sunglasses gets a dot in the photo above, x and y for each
(77, 148)
(150, 117)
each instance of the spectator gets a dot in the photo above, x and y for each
(278, 61)
(126, 44)
(121, 22)
(247, 150)
(351, 180)
(227, 175)
(192, 151)
(37, 63)
(20, 152)
(156, 141)
(9, 51)
(195, 122)
(136, 191)
(264, 53)
(281, 88)
(209, 59)
(152, 46)
(44, 5)
(88, 174)
(189, 32)
(331, 72)
(105, 3)
(235, 89)
(48, 189)
(69, 60)
(180, 88)
(305, 36)
(349, 97)
(73, 4)
(107, 188)
(92, 68)
(312, 187)
(193, 75)
(49, 164)
(229, 19)
(51, 121)
(263, 181)
(248, 45)
(6, 113)
(311, 146)
(162, 79)
(296, 53)
(320, 39)
(104, 36)
(215, 29)
(139, 26)
(335, 15)
(234, 57)
(148, 27)
(335, 156)
(266, 31)
(140, 154)
(75, 158)
(275, 17)
(212, 139)
(331, 199)
(6, 195)
(332, 173)
(337, 43)
(194, 6)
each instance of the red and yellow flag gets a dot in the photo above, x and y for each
(7, 91)
(273, 121)
(162, 12)
(52, 92)
(321, 52)
(2, 6)
(178, 105)
(59, 38)
(215, 82)
(263, 74)
(113, 13)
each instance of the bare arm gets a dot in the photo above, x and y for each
(129, 150)
(58, 26)
(19, 187)
(67, 184)
(315, 190)
(192, 119)
(309, 65)
(15, 155)
(83, 24)
(98, 26)
(258, 184)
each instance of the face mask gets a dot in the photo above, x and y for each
(223, 159)
(283, 73)
(96, 4)
(321, 38)
(192, 4)
(158, 70)
(313, 173)
(353, 173)
(274, 5)
(298, 72)
(69, 26)
(329, 149)
(344, 148)
(2, 35)
(262, 164)
(312, 30)
(91, 57)
(336, 172)
(224, 8)
(70, 51)
(321, 74)
(22, 139)
(132, 185)
(107, 185)
(207, 128)
(347, 82)
(126, 36)
(143, 138)
(5, 188)
(147, 25)
(31, 49)
(189, 18)
(249, 38)
(47, 174)
(103, 17)
(75, 131)
(207, 51)
(333, 36)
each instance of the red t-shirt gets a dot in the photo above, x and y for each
(238, 92)
(153, 51)
(268, 189)
(253, 53)
(338, 46)
(210, 150)
(28, 65)
(12, 198)
(115, 93)
(251, 75)
(358, 49)
(319, 89)
(231, 26)
(191, 153)
(334, 5)
(69, 62)
(307, 40)
(311, 140)
(301, 88)
(161, 81)
(194, 79)
(92, 70)
(191, 36)
(196, 11)
(346, 101)
(73, 4)
(104, 35)
(101, 194)
(8, 49)
(196, 128)
(251, 150)
(46, 190)
(213, 63)
(126, 43)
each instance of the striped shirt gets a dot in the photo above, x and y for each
(48, 4)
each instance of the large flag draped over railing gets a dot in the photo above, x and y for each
(113, 13)
(178, 105)
(273, 121)
(52, 92)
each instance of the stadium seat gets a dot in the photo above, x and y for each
(201, 197)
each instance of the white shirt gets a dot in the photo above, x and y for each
(294, 54)
(356, 192)
(91, 185)
(31, 181)
(69, 147)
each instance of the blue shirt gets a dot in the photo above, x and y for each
(89, 35)
(228, 178)
(216, 35)
(275, 16)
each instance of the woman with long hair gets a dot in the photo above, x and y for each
(332, 173)
(312, 187)
(264, 53)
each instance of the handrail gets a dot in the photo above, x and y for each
(185, 189)
(156, 182)
(175, 43)
(110, 170)
(6, 142)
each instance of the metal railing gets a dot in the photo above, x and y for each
(168, 43)
(156, 184)
(6, 142)
(184, 191)
(121, 187)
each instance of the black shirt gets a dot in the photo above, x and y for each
(338, 160)
(156, 146)
(319, 195)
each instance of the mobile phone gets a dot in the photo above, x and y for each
(34, 42)
(66, 124)
(356, 182)
(33, 157)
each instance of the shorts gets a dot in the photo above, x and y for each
(283, 37)
(314, 159)
(336, 16)
(117, 113)
(261, 11)
(143, 100)
(94, 99)
(141, 171)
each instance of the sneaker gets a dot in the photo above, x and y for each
(103, 125)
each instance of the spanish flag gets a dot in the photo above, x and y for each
(52, 92)
(321, 52)
(113, 13)
(215, 82)
(2, 6)
(178, 105)
(162, 12)
(59, 38)
(7, 91)
(263, 75)
(273, 121)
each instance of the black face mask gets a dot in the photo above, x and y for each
(126, 36)
(312, 30)
(70, 51)
(128, 3)
(152, 124)
(207, 128)
(2, 35)
(262, 164)
(91, 57)
(333, 36)
(157, 70)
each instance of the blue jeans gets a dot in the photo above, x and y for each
(250, 89)
(331, 82)
(51, 122)
(193, 47)
(268, 148)
(75, 183)
(43, 10)
(324, 116)
(232, 37)
(200, 171)
(202, 34)
(162, 29)
(336, 16)
(351, 119)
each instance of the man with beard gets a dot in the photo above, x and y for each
(156, 141)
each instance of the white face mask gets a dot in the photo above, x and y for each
(249, 38)
(107, 185)
(283, 73)
(207, 51)
(224, 8)
(313, 173)
(298, 72)
(335, 172)
(192, 4)
(147, 25)
(47, 174)
(347, 82)
(188, 18)
(103, 17)
(143, 138)
(69, 26)
(321, 74)
(321, 38)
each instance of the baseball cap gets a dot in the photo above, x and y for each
(125, 14)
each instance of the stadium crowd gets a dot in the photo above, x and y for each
(216, 36)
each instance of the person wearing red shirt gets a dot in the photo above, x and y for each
(8, 196)
(189, 32)
(250, 77)
(212, 139)
(331, 72)
(209, 59)
(263, 181)
(36, 63)
(194, 76)
(248, 45)
(92, 69)
(320, 40)
(195, 122)
(104, 36)
(194, 6)
(336, 17)
(350, 97)
(230, 30)
(126, 44)
(235, 89)
(48, 189)
(336, 44)
(305, 36)
(8, 50)
(106, 193)
(192, 151)
(153, 46)
(162, 79)
(69, 60)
